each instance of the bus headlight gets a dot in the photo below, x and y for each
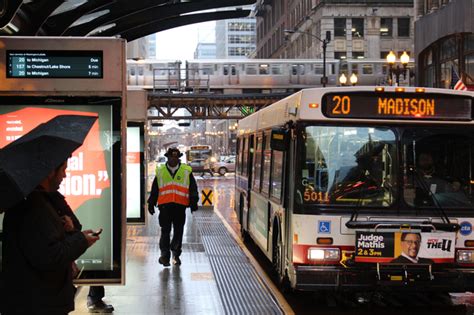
(465, 256)
(324, 254)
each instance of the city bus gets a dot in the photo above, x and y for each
(199, 158)
(330, 183)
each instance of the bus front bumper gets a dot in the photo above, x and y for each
(407, 277)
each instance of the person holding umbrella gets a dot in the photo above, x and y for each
(38, 253)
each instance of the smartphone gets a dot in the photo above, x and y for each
(97, 233)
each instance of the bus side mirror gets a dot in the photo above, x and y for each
(280, 139)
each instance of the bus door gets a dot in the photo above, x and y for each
(296, 73)
(230, 73)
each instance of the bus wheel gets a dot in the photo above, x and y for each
(277, 261)
(222, 171)
(243, 232)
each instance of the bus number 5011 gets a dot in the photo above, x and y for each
(342, 106)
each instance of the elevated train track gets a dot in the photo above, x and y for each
(209, 106)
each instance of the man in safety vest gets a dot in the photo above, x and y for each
(174, 189)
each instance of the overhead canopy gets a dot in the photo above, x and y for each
(129, 19)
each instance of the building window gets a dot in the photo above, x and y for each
(340, 55)
(357, 28)
(448, 49)
(241, 26)
(358, 55)
(403, 27)
(386, 27)
(340, 27)
(469, 67)
(383, 54)
(367, 69)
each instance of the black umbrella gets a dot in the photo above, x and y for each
(25, 162)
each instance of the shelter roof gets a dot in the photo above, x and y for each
(120, 18)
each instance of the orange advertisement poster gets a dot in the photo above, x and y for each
(86, 175)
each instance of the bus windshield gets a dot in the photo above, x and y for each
(438, 166)
(348, 166)
(359, 166)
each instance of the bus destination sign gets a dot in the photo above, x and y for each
(389, 105)
(54, 64)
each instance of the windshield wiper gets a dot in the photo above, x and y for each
(426, 190)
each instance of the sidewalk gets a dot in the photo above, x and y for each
(215, 276)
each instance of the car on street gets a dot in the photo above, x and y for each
(223, 167)
(200, 166)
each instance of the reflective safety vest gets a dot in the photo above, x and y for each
(175, 189)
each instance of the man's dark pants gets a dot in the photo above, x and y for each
(171, 215)
(96, 294)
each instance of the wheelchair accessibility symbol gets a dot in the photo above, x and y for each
(324, 227)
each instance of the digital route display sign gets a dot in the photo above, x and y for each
(388, 105)
(54, 64)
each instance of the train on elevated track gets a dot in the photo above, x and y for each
(255, 75)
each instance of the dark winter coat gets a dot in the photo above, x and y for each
(37, 256)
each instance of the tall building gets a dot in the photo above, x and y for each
(205, 51)
(358, 29)
(142, 48)
(444, 42)
(151, 46)
(235, 38)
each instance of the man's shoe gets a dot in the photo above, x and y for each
(100, 307)
(164, 261)
(176, 261)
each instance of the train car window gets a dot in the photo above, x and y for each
(263, 69)
(297, 69)
(318, 69)
(355, 68)
(294, 69)
(233, 71)
(207, 70)
(132, 71)
(367, 69)
(140, 70)
(276, 69)
(332, 69)
(225, 70)
(251, 69)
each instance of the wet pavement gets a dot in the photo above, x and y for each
(215, 276)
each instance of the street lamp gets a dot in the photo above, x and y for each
(391, 59)
(353, 79)
(324, 79)
(343, 79)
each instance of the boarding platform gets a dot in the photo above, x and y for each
(215, 277)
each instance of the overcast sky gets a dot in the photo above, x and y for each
(180, 43)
